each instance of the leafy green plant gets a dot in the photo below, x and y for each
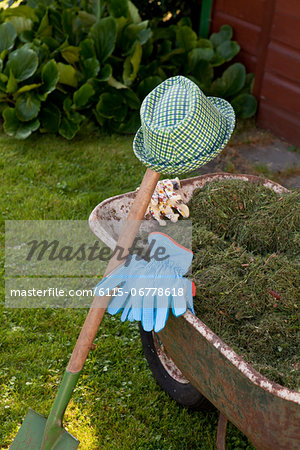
(179, 50)
(64, 62)
(57, 63)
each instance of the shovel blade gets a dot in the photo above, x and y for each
(30, 435)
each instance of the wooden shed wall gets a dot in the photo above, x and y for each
(268, 32)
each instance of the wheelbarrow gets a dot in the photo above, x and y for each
(195, 367)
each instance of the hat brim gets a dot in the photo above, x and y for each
(187, 165)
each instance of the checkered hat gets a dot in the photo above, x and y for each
(182, 129)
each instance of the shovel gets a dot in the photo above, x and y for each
(37, 432)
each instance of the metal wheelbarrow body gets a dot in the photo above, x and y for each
(267, 413)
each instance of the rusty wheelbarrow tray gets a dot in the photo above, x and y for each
(267, 413)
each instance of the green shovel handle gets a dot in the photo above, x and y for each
(53, 428)
(90, 327)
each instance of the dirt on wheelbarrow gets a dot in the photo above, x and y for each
(246, 243)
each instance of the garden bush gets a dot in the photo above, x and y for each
(65, 63)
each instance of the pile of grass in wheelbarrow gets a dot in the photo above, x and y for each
(246, 242)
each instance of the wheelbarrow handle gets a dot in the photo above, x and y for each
(125, 241)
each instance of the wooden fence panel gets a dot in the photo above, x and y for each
(269, 34)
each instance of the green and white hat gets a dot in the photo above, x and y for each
(182, 129)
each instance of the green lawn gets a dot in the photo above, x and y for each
(117, 404)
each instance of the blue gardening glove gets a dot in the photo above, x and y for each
(149, 289)
(121, 280)
(161, 285)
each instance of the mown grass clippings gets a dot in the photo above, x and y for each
(246, 255)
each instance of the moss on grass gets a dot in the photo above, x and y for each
(246, 254)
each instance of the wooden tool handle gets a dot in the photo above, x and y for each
(125, 241)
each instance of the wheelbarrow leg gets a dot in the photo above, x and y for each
(221, 433)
